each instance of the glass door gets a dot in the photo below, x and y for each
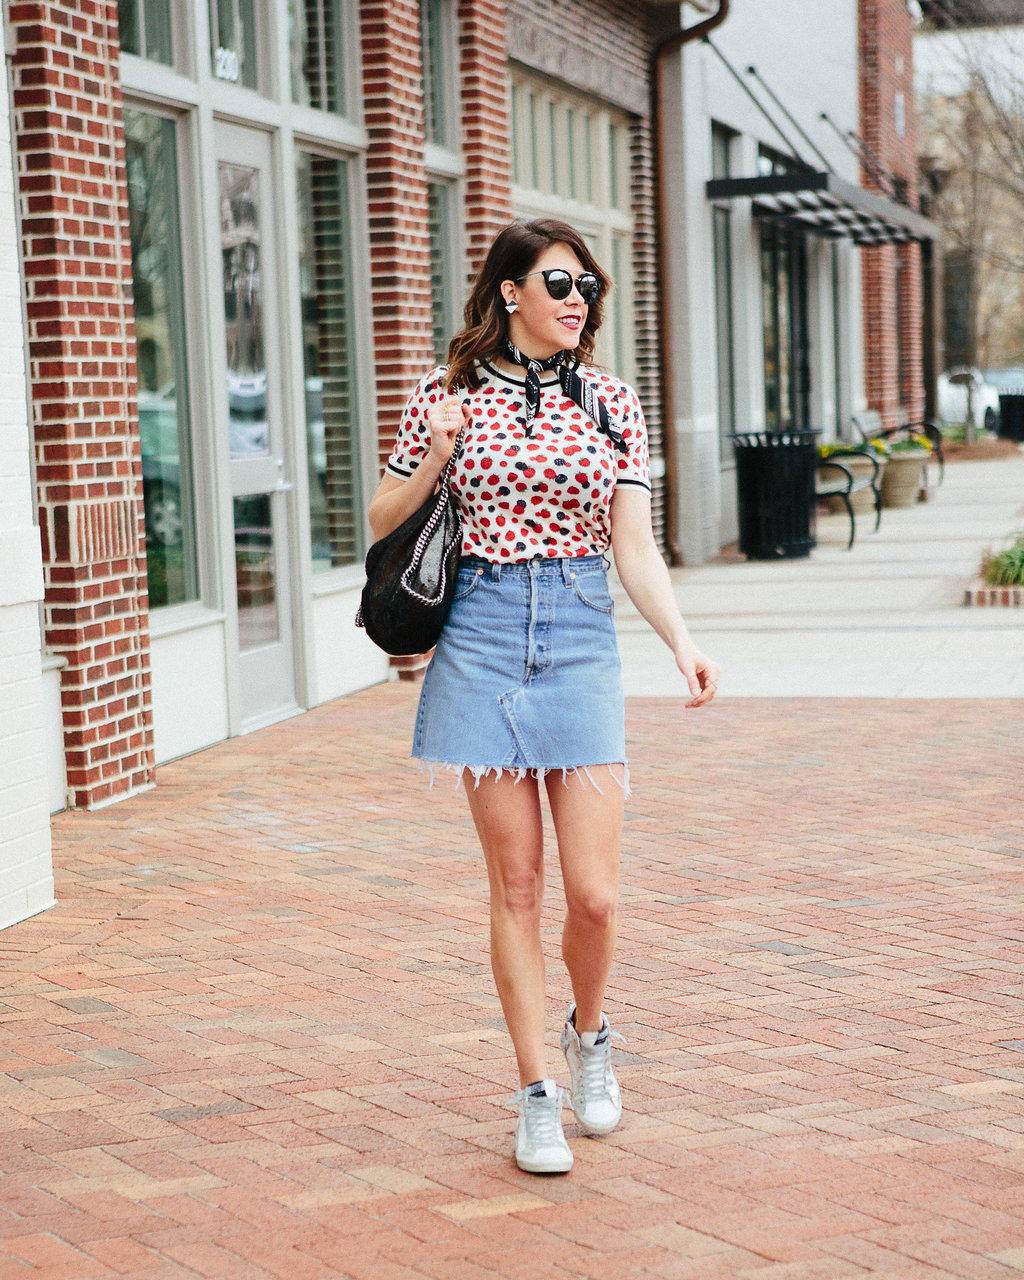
(251, 411)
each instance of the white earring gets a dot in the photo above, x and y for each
(511, 306)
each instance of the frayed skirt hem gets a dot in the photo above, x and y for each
(520, 772)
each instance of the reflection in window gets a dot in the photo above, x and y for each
(243, 310)
(255, 574)
(164, 428)
(144, 28)
(233, 41)
(325, 273)
(315, 42)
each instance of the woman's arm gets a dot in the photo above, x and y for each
(644, 575)
(396, 499)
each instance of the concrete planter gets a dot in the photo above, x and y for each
(983, 593)
(903, 478)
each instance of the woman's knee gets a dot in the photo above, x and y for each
(518, 889)
(592, 908)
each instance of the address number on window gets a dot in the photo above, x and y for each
(226, 65)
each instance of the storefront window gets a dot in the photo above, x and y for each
(164, 427)
(335, 497)
(315, 34)
(784, 319)
(899, 306)
(570, 147)
(721, 234)
(436, 76)
(442, 270)
(722, 241)
(233, 41)
(144, 28)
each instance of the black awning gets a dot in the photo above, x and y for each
(827, 206)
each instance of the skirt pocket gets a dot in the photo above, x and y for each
(592, 589)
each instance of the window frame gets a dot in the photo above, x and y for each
(173, 617)
(191, 94)
(606, 217)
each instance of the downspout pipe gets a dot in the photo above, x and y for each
(662, 51)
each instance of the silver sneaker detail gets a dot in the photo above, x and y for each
(540, 1143)
(594, 1092)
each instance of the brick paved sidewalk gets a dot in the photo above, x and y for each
(257, 1038)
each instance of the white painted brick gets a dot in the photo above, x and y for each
(27, 821)
(29, 900)
(15, 772)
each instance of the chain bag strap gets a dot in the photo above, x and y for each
(444, 497)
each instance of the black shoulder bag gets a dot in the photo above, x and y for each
(411, 573)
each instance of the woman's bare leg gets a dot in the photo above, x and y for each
(508, 822)
(588, 824)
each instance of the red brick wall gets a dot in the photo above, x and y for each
(886, 38)
(397, 196)
(486, 127)
(66, 101)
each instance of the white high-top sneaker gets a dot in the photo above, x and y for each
(594, 1093)
(540, 1143)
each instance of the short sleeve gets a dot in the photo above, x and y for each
(634, 466)
(413, 438)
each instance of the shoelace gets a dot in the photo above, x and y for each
(544, 1118)
(597, 1066)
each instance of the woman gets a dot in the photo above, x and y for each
(524, 686)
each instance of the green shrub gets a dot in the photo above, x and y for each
(1006, 569)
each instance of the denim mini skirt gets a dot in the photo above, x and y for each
(526, 676)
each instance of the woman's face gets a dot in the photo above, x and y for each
(543, 325)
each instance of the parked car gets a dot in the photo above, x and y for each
(1007, 381)
(953, 395)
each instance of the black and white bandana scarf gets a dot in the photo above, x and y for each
(576, 388)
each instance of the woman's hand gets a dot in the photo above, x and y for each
(445, 420)
(702, 675)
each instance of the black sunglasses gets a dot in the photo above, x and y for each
(559, 283)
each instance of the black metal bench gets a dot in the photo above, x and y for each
(868, 424)
(846, 482)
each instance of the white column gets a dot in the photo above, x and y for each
(26, 868)
(689, 261)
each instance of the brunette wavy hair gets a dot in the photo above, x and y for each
(515, 250)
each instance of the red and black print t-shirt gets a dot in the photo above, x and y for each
(543, 494)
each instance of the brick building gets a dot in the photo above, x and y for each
(246, 230)
(893, 352)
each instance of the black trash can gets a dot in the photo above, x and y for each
(775, 487)
(1011, 414)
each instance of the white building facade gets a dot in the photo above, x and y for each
(766, 319)
(26, 788)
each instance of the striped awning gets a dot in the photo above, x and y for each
(827, 206)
